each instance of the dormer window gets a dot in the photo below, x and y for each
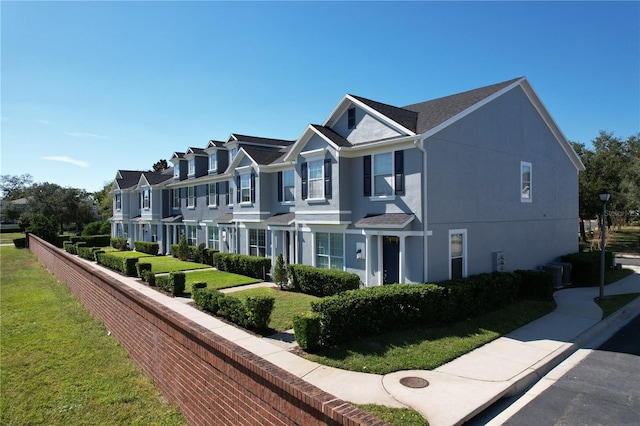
(176, 171)
(146, 199)
(213, 162)
(351, 118)
(234, 152)
(192, 167)
(118, 202)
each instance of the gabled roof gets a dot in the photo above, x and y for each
(432, 113)
(264, 156)
(406, 118)
(217, 144)
(155, 178)
(177, 155)
(126, 179)
(197, 151)
(331, 135)
(259, 140)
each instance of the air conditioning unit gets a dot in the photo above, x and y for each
(556, 270)
(566, 272)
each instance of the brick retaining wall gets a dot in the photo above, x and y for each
(212, 380)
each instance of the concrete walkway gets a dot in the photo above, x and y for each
(456, 391)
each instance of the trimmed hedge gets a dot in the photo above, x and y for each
(93, 240)
(249, 266)
(321, 282)
(20, 243)
(126, 266)
(146, 247)
(255, 313)
(87, 252)
(142, 269)
(306, 329)
(536, 285)
(368, 311)
(585, 266)
(173, 283)
(196, 254)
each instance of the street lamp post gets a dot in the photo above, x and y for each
(604, 197)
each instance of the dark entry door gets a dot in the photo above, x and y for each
(391, 259)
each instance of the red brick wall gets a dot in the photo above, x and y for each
(212, 380)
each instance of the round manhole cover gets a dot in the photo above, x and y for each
(414, 382)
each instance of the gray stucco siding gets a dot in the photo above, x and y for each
(473, 180)
(367, 128)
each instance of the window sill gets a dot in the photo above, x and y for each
(212, 206)
(316, 200)
(383, 198)
(246, 204)
(288, 203)
(191, 207)
(526, 200)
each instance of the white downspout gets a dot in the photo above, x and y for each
(419, 143)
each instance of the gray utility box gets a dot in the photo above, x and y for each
(566, 272)
(556, 270)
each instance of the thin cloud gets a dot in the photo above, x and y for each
(86, 135)
(63, 159)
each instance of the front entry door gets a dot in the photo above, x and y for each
(391, 259)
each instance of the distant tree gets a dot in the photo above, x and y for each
(160, 165)
(45, 227)
(65, 205)
(104, 200)
(14, 187)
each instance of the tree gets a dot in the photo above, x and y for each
(280, 272)
(65, 205)
(44, 227)
(13, 187)
(160, 165)
(104, 200)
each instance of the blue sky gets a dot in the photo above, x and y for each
(88, 88)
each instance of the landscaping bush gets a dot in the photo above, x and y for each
(481, 293)
(87, 253)
(177, 283)
(249, 266)
(142, 268)
(69, 247)
(306, 329)
(372, 310)
(92, 240)
(536, 285)
(585, 266)
(208, 256)
(280, 275)
(150, 278)
(322, 282)
(120, 243)
(180, 250)
(162, 282)
(20, 243)
(255, 313)
(97, 253)
(126, 266)
(97, 228)
(259, 310)
(146, 247)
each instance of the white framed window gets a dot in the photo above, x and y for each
(383, 175)
(118, 202)
(213, 162)
(192, 235)
(234, 152)
(457, 253)
(288, 186)
(329, 250)
(230, 190)
(192, 167)
(257, 242)
(191, 197)
(212, 195)
(245, 188)
(146, 199)
(176, 171)
(351, 118)
(315, 179)
(525, 182)
(213, 237)
(175, 198)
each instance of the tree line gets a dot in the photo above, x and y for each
(613, 164)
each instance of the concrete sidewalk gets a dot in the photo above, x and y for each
(456, 391)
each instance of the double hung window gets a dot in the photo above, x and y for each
(212, 195)
(213, 162)
(118, 202)
(245, 188)
(213, 237)
(146, 199)
(192, 235)
(191, 196)
(329, 250)
(257, 242)
(525, 182)
(192, 167)
(175, 197)
(457, 253)
(383, 174)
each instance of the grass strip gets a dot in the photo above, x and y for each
(59, 366)
(425, 348)
(612, 303)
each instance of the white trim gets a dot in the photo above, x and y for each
(311, 155)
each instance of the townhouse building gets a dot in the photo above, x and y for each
(474, 182)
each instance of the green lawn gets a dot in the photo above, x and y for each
(394, 416)
(59, 366)
(613, 303)
(165, 264)
(216, 279)
(625, 240)
(425, 348)
(287, 304)
(8, 237)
